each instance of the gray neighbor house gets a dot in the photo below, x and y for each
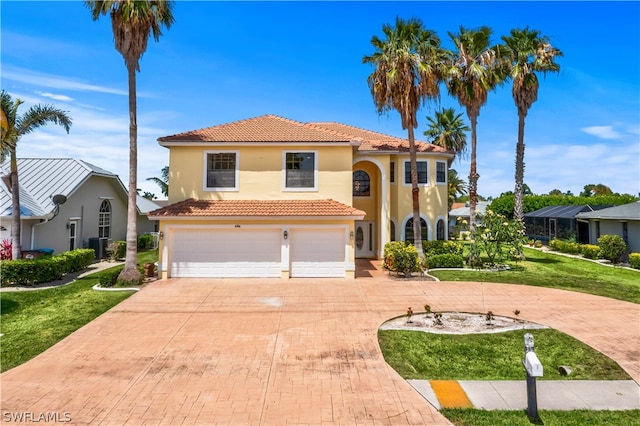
(67, 203)
(621, 220)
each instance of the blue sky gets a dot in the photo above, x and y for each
(227, 61)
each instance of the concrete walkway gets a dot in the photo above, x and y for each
(277, 352)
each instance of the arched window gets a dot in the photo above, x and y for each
(408, 230)
(104, 220)
(440, 230)
(392, 231)
(361, 184)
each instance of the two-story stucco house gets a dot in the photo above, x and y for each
(273, 197)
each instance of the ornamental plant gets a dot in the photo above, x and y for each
(612, 247)
(634, 260)
(498, 237)
(401, 257)
(6, 249)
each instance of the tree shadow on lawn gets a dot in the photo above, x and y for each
(7, 306)
(541, 260)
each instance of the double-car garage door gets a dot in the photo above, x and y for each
(256, 252)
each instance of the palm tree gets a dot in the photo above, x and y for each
(474, 70)
(132, 23)
(407, 72)
(529, 54)
(448, 130)
(163, 181)
(455, 186)
(14, 127)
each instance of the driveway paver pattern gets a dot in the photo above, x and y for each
(276, 352)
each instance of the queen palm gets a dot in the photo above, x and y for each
(448, 130)
(132, 23)
(163, 181)
(407, 73)
(455, 186)
(15, 126)
(529, 54)
(475, 68)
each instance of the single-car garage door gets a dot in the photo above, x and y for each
(224, 253)
(317, 252)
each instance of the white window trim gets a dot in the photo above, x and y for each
(284, 171)
(237, 175)
(446, 177)
(404, 172)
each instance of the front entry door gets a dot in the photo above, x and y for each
(364, 239)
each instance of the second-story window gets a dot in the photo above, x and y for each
(441, 172)
(300, 170)
(361, 184)
(222, 171)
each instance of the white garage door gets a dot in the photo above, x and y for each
(225, 253)
(317, 252)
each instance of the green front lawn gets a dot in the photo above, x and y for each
(473, 417)
(33, 321)
(556, 271)
(492, 356)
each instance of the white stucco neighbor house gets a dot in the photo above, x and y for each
(621, 220)
(94, 211)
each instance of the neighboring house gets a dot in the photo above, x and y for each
(621, 220)
(94, 211)
(461, 212)
(273, 197)
(558, 222)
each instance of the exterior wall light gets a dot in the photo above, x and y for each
(285, 235)
(161, 235)
(351, 235)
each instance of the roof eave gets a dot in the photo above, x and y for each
(258, 218)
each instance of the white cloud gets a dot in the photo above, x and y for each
(55, 82)
(63, 98)
(603, 132)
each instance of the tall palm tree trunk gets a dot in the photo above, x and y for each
(473, 174)
(415, 193)
(518, 211)
(132, 234)
(16, 246)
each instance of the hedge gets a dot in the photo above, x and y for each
(435, 247)
(590, 251)
(634, 260)
(612, 247)
(445, 261)
(44, 269)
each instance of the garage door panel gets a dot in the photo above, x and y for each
(203, 252)
(317, 253)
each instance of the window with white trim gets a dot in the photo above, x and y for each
(300, 171)
(423, 175)
(408, 230)
(441, 172)
(440, 230)
(104, 220)
(221, 170)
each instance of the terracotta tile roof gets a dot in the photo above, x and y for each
(374, 141)
(271, 208)
(275, 129)
(266, 128)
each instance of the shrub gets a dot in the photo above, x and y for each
(79, 259)
(445, 261)
(537, 244)
(612, 247)
(29, 272)
(634, 260)
(116, 250)
(6, 249)
(435, 247)
(401, 257)
(145, 241)
(590, 251)
(109, 277)
(564, 246)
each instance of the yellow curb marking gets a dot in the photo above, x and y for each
(450, 394)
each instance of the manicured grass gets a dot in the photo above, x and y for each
(556, 271)
(33, 321)
(473, 417)
(496, 356)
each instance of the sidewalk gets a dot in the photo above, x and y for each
(512, 394)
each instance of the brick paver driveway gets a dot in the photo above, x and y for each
(275, 352)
